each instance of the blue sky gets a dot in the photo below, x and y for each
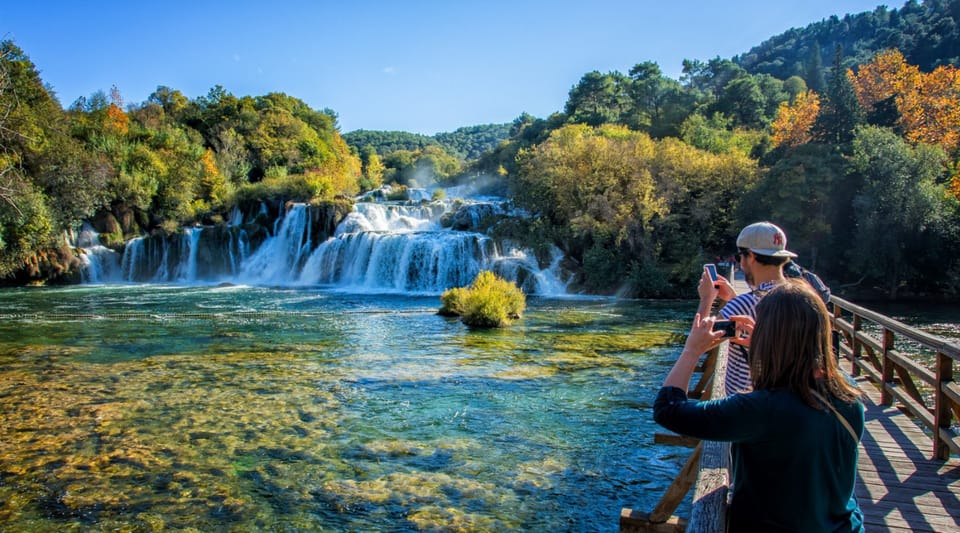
(418, 66)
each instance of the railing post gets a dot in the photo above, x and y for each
(886, 397)
(857, 346)
(941, 405)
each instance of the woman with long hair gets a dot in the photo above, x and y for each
(795, 436)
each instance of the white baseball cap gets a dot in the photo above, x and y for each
(764, 238)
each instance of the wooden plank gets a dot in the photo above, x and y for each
(912, 367)
(948, 347)
(638, 522)
(916, 409)
(708, 513)
(678, 489)
(671, 439)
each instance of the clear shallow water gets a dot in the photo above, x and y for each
(242, 408)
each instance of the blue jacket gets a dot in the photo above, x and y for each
(793, 467)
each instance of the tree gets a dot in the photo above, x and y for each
(594, 186)
(598, 99)
(880, 82)
(897, 211)
(814, 69)
(927, 105)
(794, 121)
(372, 168)
(743, 101)
(841, 113)
(798, 192)
(654, 98)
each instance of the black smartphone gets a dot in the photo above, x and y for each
(728, 327)
(711, 271)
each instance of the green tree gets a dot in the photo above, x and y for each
(598, 99)
(744, 102)
(813, 71)
(897, 210)
(840, 113)
(797, 192)
(655, 100)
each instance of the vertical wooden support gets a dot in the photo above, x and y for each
(941, 406)
(886, 397)
(706, 377)
(857, 346)
(678, 489)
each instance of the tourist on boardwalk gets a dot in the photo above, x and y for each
(761, 254)
(795, 435)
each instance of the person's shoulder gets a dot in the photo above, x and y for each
(739, 305)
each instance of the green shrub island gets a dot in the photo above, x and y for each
(489, 302)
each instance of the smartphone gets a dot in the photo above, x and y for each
(728, 327)
(711, 270)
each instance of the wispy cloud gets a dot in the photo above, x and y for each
(389, 70)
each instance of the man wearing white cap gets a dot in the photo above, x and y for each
(761, 253)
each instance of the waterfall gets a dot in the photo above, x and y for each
(396, 248)
(100, 264)
(279, 258)
(420, 248)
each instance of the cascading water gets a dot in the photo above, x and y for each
(99, 262)
(379, 247)
(397, 248)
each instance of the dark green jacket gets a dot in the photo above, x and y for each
(793, 467)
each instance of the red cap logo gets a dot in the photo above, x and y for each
(778, 239)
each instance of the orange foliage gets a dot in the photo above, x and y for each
(935, 116)
(794, 122)
(887, 75)
(117, 121)
(209, 164)
(928, 104)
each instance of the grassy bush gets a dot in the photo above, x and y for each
(489, 302)
(451, 301)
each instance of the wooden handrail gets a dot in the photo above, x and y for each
(875, 355)
(708, 513)
(706, 469)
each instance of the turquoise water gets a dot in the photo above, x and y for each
(153, 408)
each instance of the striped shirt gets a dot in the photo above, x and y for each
(738, 364)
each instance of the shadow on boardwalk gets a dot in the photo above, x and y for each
(899, 487)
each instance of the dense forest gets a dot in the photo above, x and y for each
(846, 133)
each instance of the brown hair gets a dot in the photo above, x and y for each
(790, 346)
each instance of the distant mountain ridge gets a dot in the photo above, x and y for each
(467, 143)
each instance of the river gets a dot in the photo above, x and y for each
(152, 407)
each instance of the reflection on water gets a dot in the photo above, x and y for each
(239, 408)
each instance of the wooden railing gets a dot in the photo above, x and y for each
(705, 469)
(865, 338)
(869, 341)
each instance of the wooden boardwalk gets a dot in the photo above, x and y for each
(899, 487)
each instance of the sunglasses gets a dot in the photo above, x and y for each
(741, 252)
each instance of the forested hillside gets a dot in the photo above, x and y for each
(466, 143)
(926, 33)
(639, 179)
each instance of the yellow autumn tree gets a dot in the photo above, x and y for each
(886, 76)
(214, 186)
(794, 122)
(928, 104)
(931, 114)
